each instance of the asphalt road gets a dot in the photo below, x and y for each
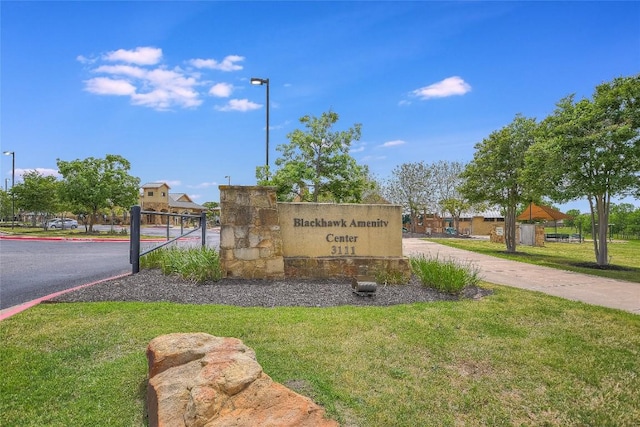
(30, 269)
(33, 269)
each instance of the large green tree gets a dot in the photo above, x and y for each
(591, 148)
(495, 173)
(448, 179)
(316, 165)
(622, 218)
(411, 185)
(93, 184)
(38, 194)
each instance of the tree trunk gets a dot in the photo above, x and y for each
(414, 220)
(510, 229)
(594, 230)
(602, 206)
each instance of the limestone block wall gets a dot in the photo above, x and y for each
(250, 237)
(263, 239)
(362, 268)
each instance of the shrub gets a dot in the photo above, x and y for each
(445, 276)
(195, 264)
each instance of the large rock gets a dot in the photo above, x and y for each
(197, 379)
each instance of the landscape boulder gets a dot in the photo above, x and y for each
(199, 380)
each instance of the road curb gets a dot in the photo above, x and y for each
(87, 239)
(8, 312)
(76, 239)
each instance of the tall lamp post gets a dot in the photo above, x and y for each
(13, 181)
(258, 81)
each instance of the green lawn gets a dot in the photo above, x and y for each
(624, 255)
(514, 358)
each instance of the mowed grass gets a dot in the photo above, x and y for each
(624, 256)
(513, 358)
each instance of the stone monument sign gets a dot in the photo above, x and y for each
(340, 230)
(261, 238)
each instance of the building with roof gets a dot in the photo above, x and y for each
(477, 223)
(156, 197)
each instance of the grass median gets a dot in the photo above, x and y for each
(514, 358)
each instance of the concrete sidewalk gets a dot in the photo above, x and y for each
(565, 284)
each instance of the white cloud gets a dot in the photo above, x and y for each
(448, 87)
(281, 126)
(125, 70)
(357, 147)
(84, 60)
(393, 143)
(221, 90)
(140, 56)
(170, 183)
(164, 99)
(239, 105)
(42, 171)
(107, 86)
(373, 158)
(227, 64)
(204, 185)
(148, 83)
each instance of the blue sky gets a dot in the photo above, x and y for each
(167, 84)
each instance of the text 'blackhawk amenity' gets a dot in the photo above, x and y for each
(321, 222)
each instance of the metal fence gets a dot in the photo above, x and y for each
(136, 218)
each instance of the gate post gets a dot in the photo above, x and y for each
(203, 226)
(134, 242)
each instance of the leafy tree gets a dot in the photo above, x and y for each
(495, 173)
(621, 217)
(634, 223)
(316, 166)
(447, 178)
(93, 184)
(373, 192)
(212, 215)
(411, 186)
(38, 194)
(455, 207)
(5, 205)
(591, 148)
(574, 214)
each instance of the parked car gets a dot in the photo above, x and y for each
(57, 223)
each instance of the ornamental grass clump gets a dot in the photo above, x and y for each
(445, 276)
(194, 264)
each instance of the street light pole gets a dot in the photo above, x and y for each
(260, 82)
(13, 182)
(229, 179)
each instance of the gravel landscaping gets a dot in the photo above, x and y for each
(153, 286)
